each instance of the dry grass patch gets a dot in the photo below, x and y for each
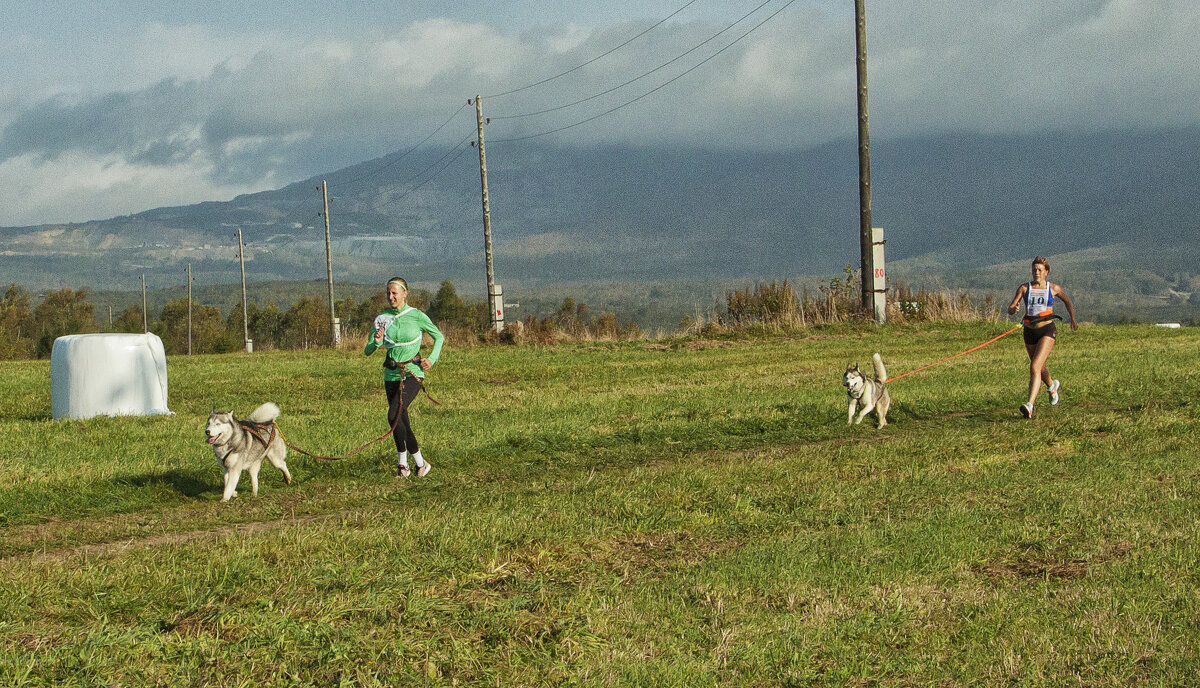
(1047, 567)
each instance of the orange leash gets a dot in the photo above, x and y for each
(974, 348)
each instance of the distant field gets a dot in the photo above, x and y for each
(691, 513)
(657, 307)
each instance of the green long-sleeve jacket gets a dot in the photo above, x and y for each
(403, 330)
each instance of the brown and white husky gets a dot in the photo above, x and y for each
(242, 445)
(871, 392)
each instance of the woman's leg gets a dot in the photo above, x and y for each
(412, 386)
(1038, 353)
(392, 387)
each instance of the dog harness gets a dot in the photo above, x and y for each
(256, 431)
(862, 388)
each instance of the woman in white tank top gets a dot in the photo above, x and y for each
(1039, 295)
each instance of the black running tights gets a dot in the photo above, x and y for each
(403, 435)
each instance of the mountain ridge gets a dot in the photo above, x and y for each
(948, 203)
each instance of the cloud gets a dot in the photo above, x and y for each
(107, 185)
(180, 114)
(1019, 65)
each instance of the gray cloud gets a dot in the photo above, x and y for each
(288, 110)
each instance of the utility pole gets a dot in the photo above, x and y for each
(245, 317)
(333, 323)
(865, 240)
(189, 272)
(495, 295)
(145, 327)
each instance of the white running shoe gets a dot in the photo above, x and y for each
(402, 471)
(1027, 410)
(423, 471)
(1054, 393)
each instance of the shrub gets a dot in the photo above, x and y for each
(64, 312)
(16, 324)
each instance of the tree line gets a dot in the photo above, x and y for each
(28, 332)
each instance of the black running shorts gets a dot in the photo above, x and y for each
(1034, 334)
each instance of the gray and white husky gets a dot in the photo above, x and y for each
(242, 446)
(870, 392)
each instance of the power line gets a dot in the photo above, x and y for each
(656, 88)
(461, 149)
(403, 155)
(604, 54)
(642, 76)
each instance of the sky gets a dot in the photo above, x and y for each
(112, 107)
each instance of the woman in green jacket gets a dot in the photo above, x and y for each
(399, 331)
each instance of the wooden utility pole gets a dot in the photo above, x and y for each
(245, 317)
(145, 326)
(864, 162)
(189, 272)
(493, 290)
(333, 323)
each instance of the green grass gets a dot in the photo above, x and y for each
(695, 514)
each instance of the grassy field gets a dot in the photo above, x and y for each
(694, 513)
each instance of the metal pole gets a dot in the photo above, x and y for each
(245, 317)
(145, 326)
(189, 271)
(497, 313)
(864, 160)
(333, 324)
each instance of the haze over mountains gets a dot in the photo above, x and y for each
(951, 203)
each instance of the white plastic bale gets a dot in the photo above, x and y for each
(108, 375)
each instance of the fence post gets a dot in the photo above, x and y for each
(878, 276)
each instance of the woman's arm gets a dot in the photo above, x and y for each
(428, 327)
(373, 342)
(1058, 291)
(1012, 307)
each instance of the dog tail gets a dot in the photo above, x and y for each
(880, 373)
(267, 413)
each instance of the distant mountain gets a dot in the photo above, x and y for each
(952, 203)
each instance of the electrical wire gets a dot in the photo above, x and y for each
(403, 155)
(461, 149)
(656, 88)
(643, 75)
(604, 54)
